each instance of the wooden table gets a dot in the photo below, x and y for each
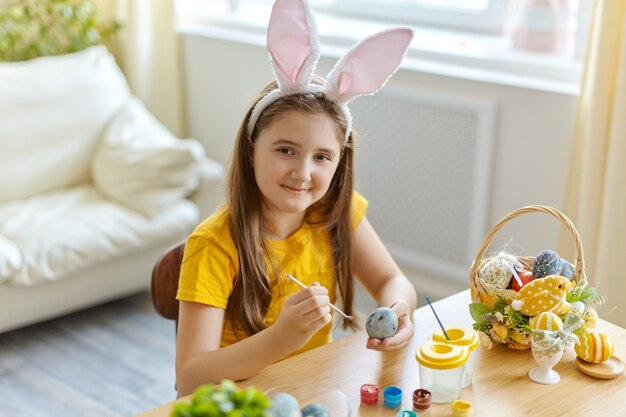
(500, 386)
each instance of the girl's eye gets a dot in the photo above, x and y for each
(322, 157)
(286, 151)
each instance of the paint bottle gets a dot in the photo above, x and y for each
(421, 400)
(461, 408)
(369, 394)
(392, 397)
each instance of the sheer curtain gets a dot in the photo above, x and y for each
(147, 51)
(596, 195)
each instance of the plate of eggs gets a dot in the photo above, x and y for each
(307, 400)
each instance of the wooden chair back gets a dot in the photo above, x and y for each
(165, 282)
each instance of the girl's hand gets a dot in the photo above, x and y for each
(403, 335)
(303, 314)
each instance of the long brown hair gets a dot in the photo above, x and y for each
(252, 290)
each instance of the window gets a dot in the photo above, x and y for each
(519, 43)
(566, 21)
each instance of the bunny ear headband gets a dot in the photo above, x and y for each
(294, 48)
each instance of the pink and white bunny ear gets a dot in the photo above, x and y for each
(293, 44)
(366, 67)
(294, 48)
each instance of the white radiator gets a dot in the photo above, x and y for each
(424, 164)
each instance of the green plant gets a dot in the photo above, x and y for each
(33, 28)
(503, 324)
(224, 400)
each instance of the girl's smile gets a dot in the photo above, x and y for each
(296, 190)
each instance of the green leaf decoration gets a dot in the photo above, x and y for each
(34, 28)
(477, 310)
(588, 295)
(518, 320)
(581, 293)
(500, 305)
(482, 327)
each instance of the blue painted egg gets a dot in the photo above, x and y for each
(284, 405)
(568, 269)
(315, 410)
(382, 323)
(547, 262)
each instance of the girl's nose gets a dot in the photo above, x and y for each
(301, 171)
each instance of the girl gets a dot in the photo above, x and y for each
(291, 209)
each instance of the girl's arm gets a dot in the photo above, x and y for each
(200, 360)
(381, 277)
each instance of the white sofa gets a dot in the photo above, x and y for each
(92, 188)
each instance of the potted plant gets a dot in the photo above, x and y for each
(224, 400)
(33, 28)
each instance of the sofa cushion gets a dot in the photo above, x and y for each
(10, 258)
(66, 231)
(140, 164)
(54, 110)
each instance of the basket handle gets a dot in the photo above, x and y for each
(579, 263)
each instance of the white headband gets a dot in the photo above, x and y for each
(294, 48)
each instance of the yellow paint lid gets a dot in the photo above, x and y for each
(459, 335)
(461, 408)
(437, 355)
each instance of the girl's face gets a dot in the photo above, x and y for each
(295, 158)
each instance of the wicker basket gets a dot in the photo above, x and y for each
(485, 293)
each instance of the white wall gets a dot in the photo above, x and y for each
(533, 131)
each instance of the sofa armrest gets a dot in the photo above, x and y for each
(210, 193)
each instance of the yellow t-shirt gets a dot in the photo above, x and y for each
(211, 262)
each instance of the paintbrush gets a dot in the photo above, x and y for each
(294, 279)
(437, 317)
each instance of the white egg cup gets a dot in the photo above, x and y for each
(543, 373)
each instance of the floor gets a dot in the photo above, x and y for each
(109, 361)
(114, 360)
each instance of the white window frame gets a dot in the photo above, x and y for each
(489, 20)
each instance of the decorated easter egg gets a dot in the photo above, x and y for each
(594, 347)
(546, 321)
(497, 271)
(578, 307)
(524, 276)
(315, 410)
(382, 323)
(567, 269)
(284, 405)
(547, 262)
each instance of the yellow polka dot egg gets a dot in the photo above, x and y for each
(546, 321)
(594, 347)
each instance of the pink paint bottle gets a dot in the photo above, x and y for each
(369, 394)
